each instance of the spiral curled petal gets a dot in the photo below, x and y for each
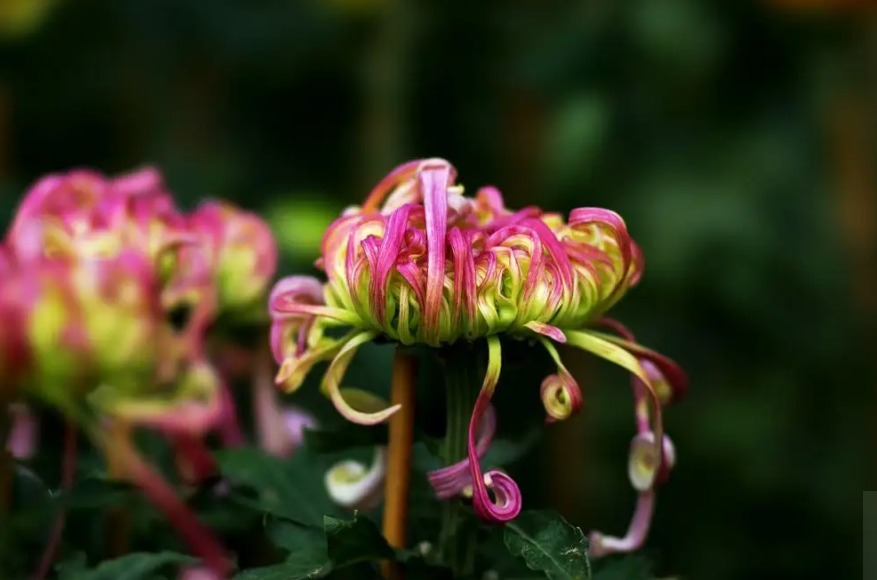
(450, 481)
(597, 344)
(669, 379)
(560, 392)
(507, 497)
(355, 485)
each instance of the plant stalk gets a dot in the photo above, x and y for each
(196, 535)
(68, 472)
(117, 519)
(398, 481)
(464, 373)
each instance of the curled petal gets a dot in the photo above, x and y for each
(508, 501)
(194, 461)
(671, 382)
(356, 486)
(304, 289)
(597, 344)
(642, 468)
(450, 481)
(354, 404)
(636, 534)
(560, 392)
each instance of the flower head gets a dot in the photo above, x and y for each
(240, 250)
(419, 262)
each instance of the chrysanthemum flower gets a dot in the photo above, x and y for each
(420, 263)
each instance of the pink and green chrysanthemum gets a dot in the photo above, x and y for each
(421, 263)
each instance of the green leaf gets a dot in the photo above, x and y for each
(291, 488)
(135, 566)
(344, 546)
(625, 568)
(306, 566)
(296, 538)
(95, 492)
(356, 540)
(72, 568)
(549, 544)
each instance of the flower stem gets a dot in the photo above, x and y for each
(397, 486)
(68, 472)
(464, 372)
(199, 538)
(117, 517)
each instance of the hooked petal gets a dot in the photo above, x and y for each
(551, 332)
(354, 404)
(560, 392)
(601, 545)
(506, 492)
(602, 347)
(450, 481)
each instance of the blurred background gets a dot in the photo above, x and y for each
(738, 139)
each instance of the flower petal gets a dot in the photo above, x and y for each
(355, 486)
(636, 534)
(508, 496)
(560, 392)
(434, 177)
(450, 481)
(551, 332)
(371, 409)
(602, 347)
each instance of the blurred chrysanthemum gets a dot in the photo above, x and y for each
(420, 263)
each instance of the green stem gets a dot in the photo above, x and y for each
(464, 373)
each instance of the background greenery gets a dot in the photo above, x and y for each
(737, 139)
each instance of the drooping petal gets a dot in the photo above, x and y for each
(671, 382)
(450, 481)
(355, 405)
(596, 344)
(508, 496)
(357, 486)
(601, 545)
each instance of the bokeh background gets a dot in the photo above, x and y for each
(738, 139)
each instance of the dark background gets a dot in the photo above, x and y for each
(737, 139)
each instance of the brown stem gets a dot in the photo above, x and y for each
(117, 522)
(397, 484)
(68, 472)
(196, 535)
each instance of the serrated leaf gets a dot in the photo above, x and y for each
(548, 543)
(356, 540)
(137, 566)
(288, 488)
